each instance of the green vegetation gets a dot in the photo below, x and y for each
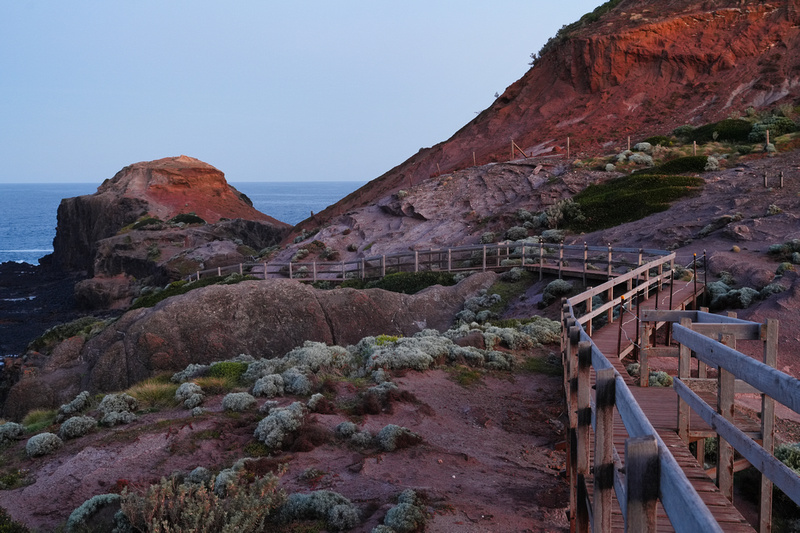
(39, 419)
(182, 287)
(147, 222)
(405, 282)
(229, 370)
(186, 218)
(466, 376)
(630, 198)
(7, 525)
(154, 393)
(541, 365)
(681, 165)
(660, 140)
(85, 327)
(730, 130)
(508, 290)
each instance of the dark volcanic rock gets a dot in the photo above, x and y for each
(262, 319)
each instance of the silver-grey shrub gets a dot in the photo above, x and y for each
(317, 356)
(417, 353)
(192, 371)
(118, 402)
(269, 386)
(11, 431)
(554, 290)
(238, 401)
(117, 417)
(387, 437)
(191, 394)
(345, 429)
(338, 512)
(77, 405)
(281, 420)
(76, 426)
(296, 382)
(78, 520)
(43, 444)
(516, 233)
(407, 515)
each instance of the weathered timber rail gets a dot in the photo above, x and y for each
(628, 448)
(587, 262)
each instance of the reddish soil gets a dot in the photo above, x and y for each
(488, 459)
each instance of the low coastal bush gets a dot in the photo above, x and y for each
(8, 525)
(80, 520)
(85, 327)
(408, 515)
(118, 409)
(43, 444)
(630, 198)
(338, 512)
(39, 419)
(554, 290)
(186, 218)
(238, 401)
(681, 165)
(10, 432)
(281, 421)
(77, 426)
(229, 370)
(154, 393)
(81, 402)
(728, 130)
(190, 394)
(393, 437)
(177, 288)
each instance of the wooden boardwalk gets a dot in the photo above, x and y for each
(660, 405)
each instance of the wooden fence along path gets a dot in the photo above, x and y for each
(629, 462)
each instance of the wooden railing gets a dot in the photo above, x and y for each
(587, 262)
(651, 472)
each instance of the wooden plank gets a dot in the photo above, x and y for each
(667, 315)
(748, 331)
(768, 426)
(783, 476)
(603, 451)
(782, 387)
(725, 407)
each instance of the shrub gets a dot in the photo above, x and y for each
(296, 382)
(660, 379)
(119, 403)
(776, 125)
(175, 507)
(641, 159)
(186, 218)
(178, 288)
(393, 437)
(345, 430)
(238, 401)
(413, 282)
(153, 393)
(77, 426)
(516, 233)
(408, 515)
(337, 511)
(281, 421)
(318, 356)
(7, 525)
(728, 130)
(10, 431)
(640, 195)
(644, 146)
(43, 444)
(774, 210)
(418, 352)
(190, 394)
(660, 140)
(712, 164)
(77, 405)
(80, 519)
(269, 386)
(554, 290)
(562, 212)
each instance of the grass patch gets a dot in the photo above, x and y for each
(466, 376)
(540, 365)
(154, 393)
(508, 290)
(85, 327)
(176, 288)
(681, 165)
(39, 419)
(8, 525)
(630, 198)
(730, 130)
(13, 479)
(229, 370)
(216, 385)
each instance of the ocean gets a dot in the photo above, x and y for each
(28, 210)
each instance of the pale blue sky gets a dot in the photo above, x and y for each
(263, 90)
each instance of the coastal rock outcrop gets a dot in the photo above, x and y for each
(259, 318)
(158, 189)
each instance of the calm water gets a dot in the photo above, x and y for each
(28, 210)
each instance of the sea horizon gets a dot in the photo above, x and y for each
(28, 210)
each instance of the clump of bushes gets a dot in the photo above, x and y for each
(407, 516)
(39, 419)
(776, 126)
(177, 288)
(118, 409)
(404, 282)
(728, 130)
(229, 370)
(640, 195)
(269, 386)
(393, 437)
(81, 518)
(338, 512)
(281, 421)
(8, 525)
(186, 218)
(77, 405)
(190, 394)
(10, 432)
(154, 393)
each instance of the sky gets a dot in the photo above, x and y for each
(263, 90)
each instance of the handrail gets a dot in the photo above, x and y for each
(680, 500)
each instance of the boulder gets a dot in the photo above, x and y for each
(259, 318)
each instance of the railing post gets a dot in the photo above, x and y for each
(582, 436)
(684, 371)
(523, 255)
(621, 321)
(219, 271)
(571, 377)
(588, 325)
(642, 478)
(585, 259)
(290, 270)
(694, 269)
(484, 258)
(603, 450)
(344, 272)
(241, 270)
(265, 270)
(198, 275)
(609, 260)
(383, 266)
(560, 258)
(363, 269)
(768, 425)
(725, 407)
(416, 261)
(449, 259)
(314, 270)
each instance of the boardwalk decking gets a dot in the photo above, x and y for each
(660, 406)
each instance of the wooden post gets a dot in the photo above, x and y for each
(363, 269)
(383, 266)
(523, 255)
(603, 450)
(198, 275)
(416, 261)
(219, 271)
(474, 161)
(241, 270)
(582, 436)
(449, 259)
(290, 270)
(265, 270)
(567, 148)
(541, 258)
(694, 270)
(684, 371)
(768, 425)
(642, 478)
(629, 142)
(344, 272)
(512, 148)
(609, 260)
(484, 258)
(621, 321)
(765, 180)
(560, 259)
(610, 312)
(694, 148)
(588, 325)
(644, 355)
(314, 271)
(585, 259)
(767, 136)
(571, 375)
(725, 407)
